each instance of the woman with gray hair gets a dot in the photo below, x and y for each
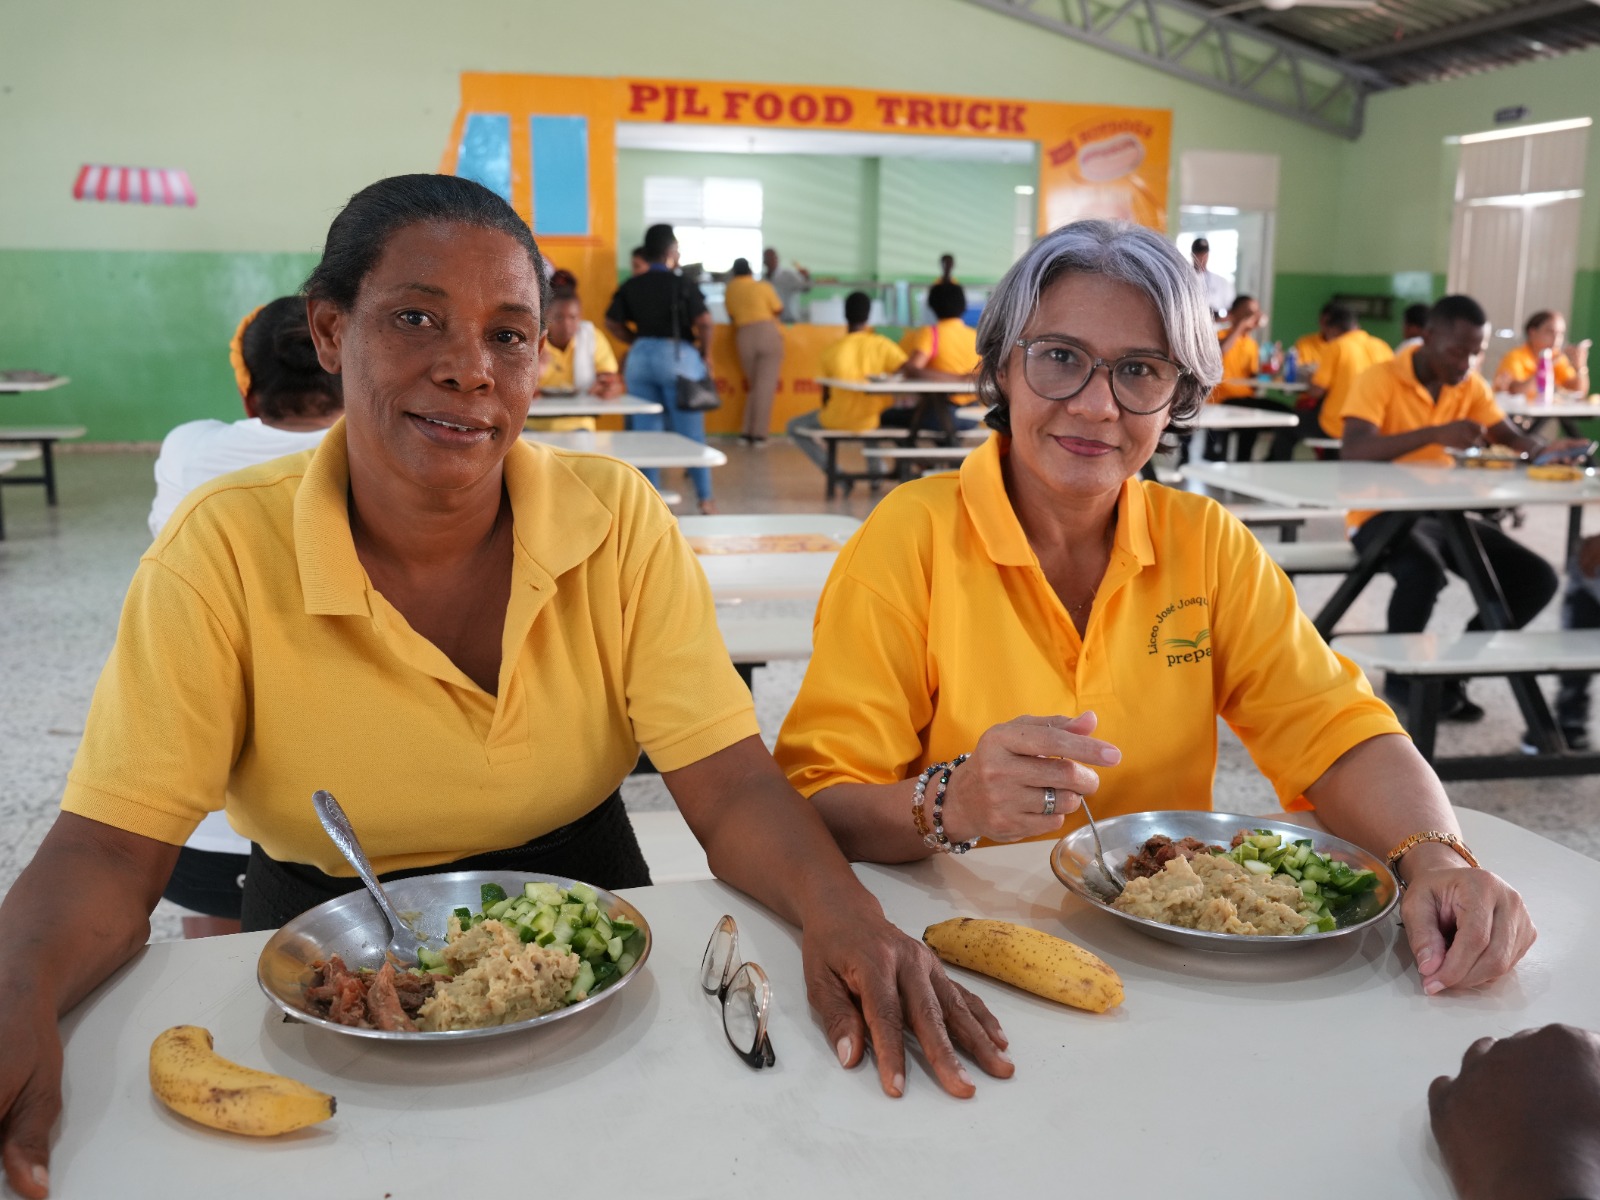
(1045, 577)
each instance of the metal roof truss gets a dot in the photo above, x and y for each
(1218, 52)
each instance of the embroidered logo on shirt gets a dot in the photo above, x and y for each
(1179, 651)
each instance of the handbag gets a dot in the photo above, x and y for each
(694, 395)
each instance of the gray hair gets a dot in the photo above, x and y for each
(1118, 250)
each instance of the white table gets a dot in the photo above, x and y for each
(652, 1064)
(1514, 405)
(641, 448)
(10, 456)
(1270, 385)
(737, 578)
(590, 406)
(9, 386)
(1451, 493)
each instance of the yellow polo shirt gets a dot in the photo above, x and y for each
(1343, 361)
(938, 623)
(256, 663)
(952, 345)
(1242, 360)
(555, 371)
(856, 356)
(1389, 396)
(1522, 363)
(749, 300)
(1308, 354)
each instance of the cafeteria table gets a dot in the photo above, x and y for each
(641, 448)
(767, 561)
(1566, 410)
(18, 382)
(1187, 1079)
(1451, 493)
(546, 405)
(10, 456)
(935, 398)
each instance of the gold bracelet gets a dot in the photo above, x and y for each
(1429, 835)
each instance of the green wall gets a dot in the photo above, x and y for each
(927, 209)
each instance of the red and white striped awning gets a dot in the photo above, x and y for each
(133, 185)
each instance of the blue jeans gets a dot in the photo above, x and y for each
(651, 374)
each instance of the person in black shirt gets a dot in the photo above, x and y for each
(646, 313)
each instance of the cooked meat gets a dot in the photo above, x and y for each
(365, 999)
(383, 1002)
(1154, 855)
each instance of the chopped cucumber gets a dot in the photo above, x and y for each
(582, 984)
(490, 893)
(582, 893)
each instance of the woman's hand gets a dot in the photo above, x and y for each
(30, 1093)
(1467, 926)
(869, 982)
(998, 793)
(1523, 1117)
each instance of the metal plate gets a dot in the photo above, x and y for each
(353, 928)
(1125, 834)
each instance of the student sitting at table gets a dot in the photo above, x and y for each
(1308, 347)
(860, 354)
(577, 359)
(1412, 322)
(945, 351)
(1241, 360)
(1580, 609)
(1415, 409)
(289, 403)
(1046, 577)
(1349, 352)
(1546, 331)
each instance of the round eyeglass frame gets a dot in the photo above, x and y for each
(1111, 375)
(721, 983)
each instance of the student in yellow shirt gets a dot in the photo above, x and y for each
(1241, 359)
(753, 310)
(1545, 330)
(860, 354)
(1411, 410)
(1309, 347)
(463, 636)
(1349, 352)
(1046, 578)
(946, 351)
(577, 359)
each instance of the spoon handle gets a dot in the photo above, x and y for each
(339, 830)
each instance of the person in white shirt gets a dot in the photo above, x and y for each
(291, 402)
(1219, 292)
(786, 281)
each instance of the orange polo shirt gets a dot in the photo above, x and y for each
(1242, 360)
(1522, 363)
(1308, 352)
(1343, 361)
(938, 623)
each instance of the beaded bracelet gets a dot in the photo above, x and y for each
(943, 843)
(918, 793)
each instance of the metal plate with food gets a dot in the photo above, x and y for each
(518, 951)
(1306, 886)
(1493, 458)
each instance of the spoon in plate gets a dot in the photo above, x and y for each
(404, 938)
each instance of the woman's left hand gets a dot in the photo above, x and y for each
(1467, 926)
(867, 979)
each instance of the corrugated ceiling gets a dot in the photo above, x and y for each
(1419, 41)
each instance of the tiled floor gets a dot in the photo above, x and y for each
(63, 573)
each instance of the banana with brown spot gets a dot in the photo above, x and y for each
(190, 1078)
(1029, 959)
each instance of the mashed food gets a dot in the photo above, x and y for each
(498, 978)
(1216, 895)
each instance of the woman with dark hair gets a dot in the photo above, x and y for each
(753, 311)
(1546, 333)
(289, 403)
(663, 318)
(465, 637)
(1047, 578)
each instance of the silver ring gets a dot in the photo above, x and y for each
(1049, 802)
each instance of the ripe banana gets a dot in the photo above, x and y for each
(1028, 958)
(189, 1078)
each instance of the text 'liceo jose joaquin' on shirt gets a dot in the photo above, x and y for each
(938, 623)
(255, 663)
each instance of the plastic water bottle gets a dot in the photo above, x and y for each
(1291, 366)
(1544, 377)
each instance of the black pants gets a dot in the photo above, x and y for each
(1217, 439)
(208, 881)
(1419, 561)
(1579, 610)
(598, 848)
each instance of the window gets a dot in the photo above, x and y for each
(717, 220)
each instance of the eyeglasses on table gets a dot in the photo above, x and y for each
(744, 992)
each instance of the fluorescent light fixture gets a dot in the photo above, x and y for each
(1495, 135)
(1525, 200)
(1023, 190)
